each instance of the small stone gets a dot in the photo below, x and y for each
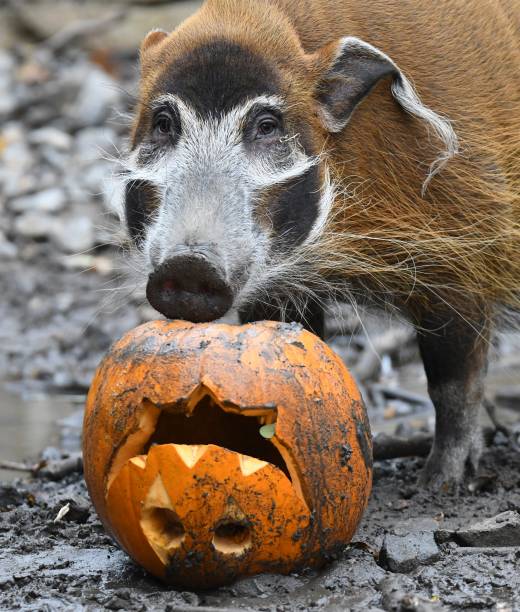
(190, 598)
(15, 154)
(51, 137)
(48, 200)
(411, 544)
(399, 595)
(79, 509)
(500, 530)
(8, 250)
(34, 225)
(97, 97)
(33, 73)
(74, 234)
(93, 143)
(94, 177)
(7, 100)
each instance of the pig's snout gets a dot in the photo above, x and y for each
(189, 287)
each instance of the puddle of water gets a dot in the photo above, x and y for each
(27, 426)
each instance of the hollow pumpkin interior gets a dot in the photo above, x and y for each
(202, 420)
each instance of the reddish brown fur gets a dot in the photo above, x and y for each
(460, 244)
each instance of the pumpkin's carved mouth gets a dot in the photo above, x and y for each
(201, 420)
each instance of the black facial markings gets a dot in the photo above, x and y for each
(217, 76)
(141, 199)
(295, 208)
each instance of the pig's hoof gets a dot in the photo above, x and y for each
(448, 467)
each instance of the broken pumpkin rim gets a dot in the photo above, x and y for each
(134, 446)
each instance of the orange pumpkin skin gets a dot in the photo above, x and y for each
(200, 393)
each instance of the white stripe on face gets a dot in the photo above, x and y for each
(208, 184)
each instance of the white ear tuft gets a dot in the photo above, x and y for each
(355, 70)
(404, 92)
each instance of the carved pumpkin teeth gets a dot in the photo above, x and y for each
(158, 425)
(250, 465)
(139, 461)
(190, 454)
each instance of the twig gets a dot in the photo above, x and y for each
(387, 343)
(417, 445)
(483, 550)
(392, 447)
(56, 470)
(53, 470)
(401, 394)
(16, 466)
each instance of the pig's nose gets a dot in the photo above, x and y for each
(189, 287)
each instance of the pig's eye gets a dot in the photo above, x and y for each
(166, 126)
(267, 126)
(163, 124)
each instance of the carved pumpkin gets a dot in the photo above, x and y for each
(213, 451)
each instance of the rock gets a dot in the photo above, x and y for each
(34, 225)
(94, 177)
(398, 595)
(500, 530)
(74, 234)
(94, 142)
(16, 160)
(96, 99)
(409, 544)
(509, 397)
(8, 249)
(7, 99)
(51, 137)
(47, 17)
(48, 200)
(79, 509)
(357, 569)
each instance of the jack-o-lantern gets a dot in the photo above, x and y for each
(214, 451)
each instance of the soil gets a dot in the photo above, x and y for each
(71, 564)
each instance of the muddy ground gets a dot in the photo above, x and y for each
(71, 564)
(66, 296)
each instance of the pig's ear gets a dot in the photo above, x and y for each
(152, 39)
(349, 69)
(352, 68)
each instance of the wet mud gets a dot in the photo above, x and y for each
(71, 564)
